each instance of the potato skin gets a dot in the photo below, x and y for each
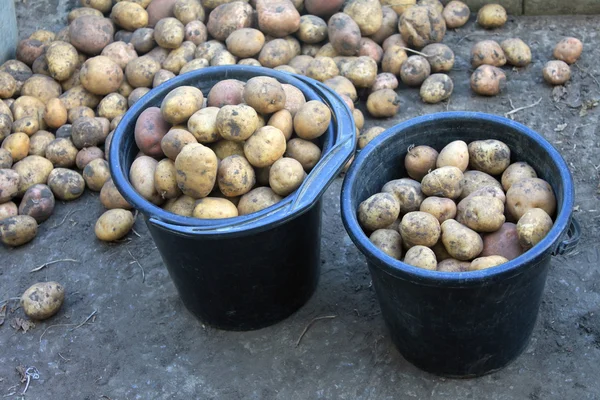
(443, 182)
(515, 172)
(422, 25)
(421, 257)
(419, 160)
(140, 71)
(488, 80)
(265, 146)
(454, 154)
(378, 211)
(385, 80)
(8, 209)
(32, 170)
(556, 72)
(55, 113)
(141, 176)
(181, 103)
(456, 14)
(129, 15)
(415, 70)
(481, 213)
(37, 202)
(344, 34)
(383, 103)
(303, 151)
(517, 52)
(114, 224)
(175, 140)
(393, 59)
(475, 180)
(312, 29)
(42, 300)
(532, 227)
(235, 176)
(487, 52)
(389, 241)
(150, 128)
(486, 262)
(277, 18)
(323, 8)
(165, 180)
(61, 153)
(18, 230)
(226, 92)
(17, 144)
(568, 50)
(460, 242)
(6, 160)
(245, 42)
(436, 88)
(366, 136)
(237, 122)
(504, 242)
(266, 95)
(367, 14)
(9, 184)
(257, 199)
(196, 170)
(419, 228)
(441, 208)
(408, 193)
(87, 132)
(90, 34)
(286, 175)
(312, 120)
(440, 57)
(229, 17)
(453, 265)
(169, 33)
(491, 16)
(66, 184)
(530, 193)
(489, 156)
(96, 173)
(214, 208)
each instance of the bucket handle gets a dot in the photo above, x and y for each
(569, 245)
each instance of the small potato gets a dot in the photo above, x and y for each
(194, 65)
(214, 208)
(383, 103)
(235, 176)
(196, 170)
(283, 121)
(456, 14)
(207, 50)
(393, 59)
(203, 125)
(453, 265)
(223, 57)
(174, 141)
(161, 77)
(556, 72)
(443, 182)
(359, 118)
(27, 125)
(303, 151)
(150, 128)
(481, 213)
(454, 154)
(440, 57)
(226, 92)
(487, 52)
(286, 175)
(344, 34)
(114, 225)
(37, 202)
(6, 160)
(55, 113)
(18, 230)
(275, 53)
(245, 43)
(419, 161)
(61, 153)
(367, 14)
(8, 210)
(140, 71)
(43, 300)
(515, 172)
(322, 69)
(422, 25)
(386, 80)
(165, 180)
(294, 98)
(436, 88)
(312, 120)
(87, 132)
(489, 156)
(229, 17)
(389, 241)
(28, 50)
(38, 143)
(237, 122)
(179, 57)
(196, 32)
(568, 50)
(504, 242)
(111, 198)
(225, 148)
(517, 52)
(422, 257)
(96, 173)
(66, 184)
(183, 206)
(532, 227)
(8, 85)
(461, 242)
(17, 144)
(169, 33)
(367, 136)
(112, 106)
(389, 24)
(90, 34)
(277, 18)
(79, 112)
(86, 155)
(40, 67)
(378, 211)
(488, 80)
(441, 208)
(491, 16)
(415, 70)
(72, 81)
(529, 193)
(266, 95)
(342, 86)
(362, 72)
(41, 87)
(9, 184)
(312, 29)
(419, 228)
(265, 146)
(323, 8)
(407, 191)
(142, 40)
(141, 175)
(181, 103)
(486, 262)
(129, 15)
(257, 199)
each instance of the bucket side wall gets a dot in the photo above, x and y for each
(8, 30)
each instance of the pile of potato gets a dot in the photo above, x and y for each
(251, 145)
(465, 208)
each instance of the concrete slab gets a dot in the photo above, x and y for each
(564, 7)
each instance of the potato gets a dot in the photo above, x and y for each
(344, 34)
(195, 32)
(18, 70)
(27, 125)
(443, 182)
(327, 50)
(312, 120)
(64, 131)
(488, 80)
(161, 77)
(393, 59)
(303, 151)
(461, 242)
(362, 72)
(342, 86)
(235, 176)
(529, 193)
(103, 6)
(37, 202)
(38, 143)
(61, 153)
(256, 200)
(135, 95)
(181, 103)
(556, 72)
(226, 92)
(312, 29)
(207, 50)
(8, 209)
(481, 213)
(237, 122)
(283, 121)
(323, 8)
(90, 34)
(365, 137)
(504, 242)
(348, 102)
(203, 127)
(165, 180)
(408, 193)
(489, 156)
(87, 132)
(72, 82)
(294, 99)
(55, 113)
(265, 146)
(414, 71)
(183, 206)
(226, 148)
(141, 176)
(422, 257)
(214, 208)
(142, 41)
(8, 85)
(43, 36)
(568, 50)
(394, 40)
(436, 88)
(179, 57)
(322, 69)
(188, 11)
(419, 160)
(78, 96)
(300, 63)
(456, 14)
(159, 9)
(28, 50)
(123, 36)
(277, 18)
(422, 25)
(517, 52)
(41, 87)
(112, 106)
(383, 103)
(399, 6)
(378, 211)
(114, 225)
(475, 180)
(486, 262)
(17, 230)
(28, 106)
(389, 25)
(169, 33)
(439, 56)
(80, 112)
(454, 154)
(66, 184)
(286, 175)
(17, 144)
(159, 54)
(194, 65)
(367, 14)
(441, 208)
(43, 300)
(196, 170)
(246, 42)
(227, 18)
(96, 173)
(80, 12)
(419, 228)
(453, 265)
(86, 155)
(275, 53)
(389, 241)
(6, 160)
(491, 16)
(111, 198)
(266, 95)
(515, 172)
(129, 16)
(140, 71)
(40, 66)
(490, 191)
(532, 227)
(487, 52)
(9, 184)
(172, 143)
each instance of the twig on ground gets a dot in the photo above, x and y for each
(139, 265)
(135, 233)
(30, 373)
(85, 321)
(9, 299)
(78, 326)
(579, 126)
(65, 218)
(310, 324)
(516, 110)
(416, 52)
(105, 397)
(466, 36)
(53, 262)
(447, 104)
(585, 71)
(61, 356)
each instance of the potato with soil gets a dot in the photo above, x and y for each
(488, 80)
(43, 300)
(504, 242)
(66, 184)
(80, 112)
(5, 124)
(28, 50)
(378, 211)
(207, 50)
(389, 25)
(414, 71)
(114, 225)
(61, 153)
(556, 72)
(8, 209)
(312, 29)
(344, 34)
(515, 172)
(436, 88)
(203, 125)
(491, 16)
(422, 25)
(443, 182)
(90, 34)
(6, 160)
(169, 33)
(365, 137)
(294, 98)
(393, 59)
(9, 184)
(226, 92)
(78, 96)
(8, 85)
(367, 14)
(129, 15)
(529, 193)
(237, 123)
(283, 121)
(181, 103)
(41, 87)
(421, 257)
(408, 193)
(453, 265)
(277, 18)
(440, 57)
(17, 230)
(323, 8)
(165, 180)
(419, 228)
(141, 175)
(214, 208)
(227, 18)
(312, 120)
(322, 69)
(194, 65)
(568, 50)
(481, 213)
(225, 148)
(96, 173)
(183, 206)
(475, 180)
(286, 175)
(37, 202)
(28, 106)
(456, 14)
(142, 40)
(81, 11)
(86, 155)
(235, 176)
(245, 43)
(362, 72)
(112, 106)
(17, 144)
(87, 132)
(120, 53)
(188, 11)
(342, 86)
(486, 262)
(55, 113)
(532, 227)
(179, 57)
(303, 151)
(461, 242)
(110, 197)
(38, 143)
(196, 32)
(487, 52)
(140, 71)
(161, 77)
(266, 95)
(385, 80)
(489, 156)
(174, 141)
(389, 241)
(419, 161)
(275, 53)
(27, 125)
(257, 199)
(32, 170)
(517, 52)
(454, 154)
(196, 170)
(441, 208)
(265, 146)
(383, 103)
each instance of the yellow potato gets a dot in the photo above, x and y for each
(141, 176)
(245, 42)
(112, 106)
(419, 160)
(408, 193)
(460, 242)
(367, 136)
(214, 208)
(237, 122)
(443, 182)
(440, 57)
(27, 125)
(489, 156)
(453, 265)
(475, 180)
(488, 80)
(413, 71)
(419, 228)
(454, 154)
(114, 225)
(175, 140)
(129, 15)
(235, 176)
(66, 184)
(491, 16)
(286, 175)
(96, 173)
(55, 113)
(529, 193)
(140, 71)
(62, 60)
(486, 262)
(42, 300)
(487, 52)
(421, 25)
(367, 14)
(61, 153)
(38, 143)
(422, 257)
(378, 211)
(532, 227)
(169, 33)
(265, 146)
(179, 57)
(110, 197)
(226, 148)
(32, 170)
(441, 208)
(294, 98)
(181, 103)
(257, 199)
(183, 206)
(303, 151)
(17, 230)
(517, 52)
(389, 241)
(203, 125)
(456, 14)
(196, 167)
(436, 88)
(266, 95)
(383, 103)
(515, 172)
(312, 120)
(481, 213)
(165, 180)
(362, 71)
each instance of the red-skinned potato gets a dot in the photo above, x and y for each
(150, 128)
(323, 8)
(344, 34)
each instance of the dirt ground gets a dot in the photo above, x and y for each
(140, 342)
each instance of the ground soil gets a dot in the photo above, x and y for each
(141, 343)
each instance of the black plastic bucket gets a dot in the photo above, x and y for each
(459, 324)
(251, 271)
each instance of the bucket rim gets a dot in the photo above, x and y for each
(337, 149)
(399, 269)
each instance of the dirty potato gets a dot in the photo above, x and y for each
(229, 17)
(408, 193)
(265, 146)
(141, 176)
(476, 180)
(568, 50)
(42, 300)
(111, 198)
(203, 125)
(165, 180)
(436, 88)
(532, 227)
(277, 18)
(365, 137)
(17, 230)
(456, 14)
(114, 225)
(460, 242)
(9, 184)
(454, 154)
(196, 167)
(383, 103)
(556, 72)
(529, 193)
(312, 120)
(37, 202)
(183, 205)
(481, 213)
(55, 113)
(286, 175)
(504, 242)
(237, 122)
(344, 34)
(257, 199)
(419, 161)
(443, 182)
(266, 95)
(393, 59)
(515, 172)
(66, 184)
(303, 151)
(175, 140)
(422, 25)
(129, 15)
(140, 71)
(389, 241)
(214, 208)
(419, 228)
(90, 34)
(487, 52)
(441, 208)
(378, 211)
(367, 14)
(96, 173)
(312, 29)
(486, 262)
(491, 16)
(181, 103)
(488, 80)
(245, 43)
(389, 24)
(440, 57)
(421, 257)
(235, 176)
(489, 156)
(517, 52)
(414, 71)
(61, 153)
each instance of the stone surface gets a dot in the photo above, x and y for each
(550, 7)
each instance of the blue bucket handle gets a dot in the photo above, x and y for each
(568, 246)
